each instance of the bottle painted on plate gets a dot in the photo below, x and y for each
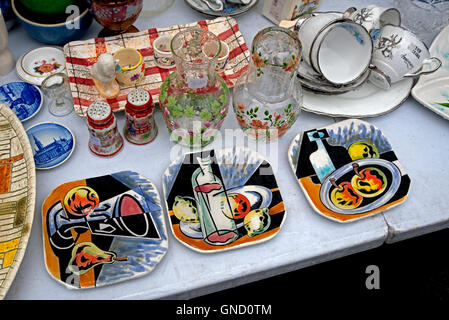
(217, 228)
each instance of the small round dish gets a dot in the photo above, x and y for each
(229, 9)
(37, 64)
(52, 144)
(24, 99)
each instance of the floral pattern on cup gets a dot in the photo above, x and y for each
(132, 66)
(264, 124)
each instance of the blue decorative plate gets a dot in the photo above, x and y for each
(52, 144)
(23, 99)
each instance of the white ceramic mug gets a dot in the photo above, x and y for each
(398, 53)
(373, 18)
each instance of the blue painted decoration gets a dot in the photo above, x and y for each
(24, 99)
(52, 144)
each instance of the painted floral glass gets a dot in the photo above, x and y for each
(194, 98)
(267, 98)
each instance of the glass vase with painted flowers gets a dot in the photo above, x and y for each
(194, 98)
(267, 99)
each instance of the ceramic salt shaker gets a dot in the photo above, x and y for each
(6, 58)
(140, 126)
(105, 140)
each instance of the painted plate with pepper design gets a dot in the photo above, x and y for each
(35, 65)
(348, 170)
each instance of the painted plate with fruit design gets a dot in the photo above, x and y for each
(103, 230)
(222, 199)
(348, 170)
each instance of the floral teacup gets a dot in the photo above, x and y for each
(132, 67)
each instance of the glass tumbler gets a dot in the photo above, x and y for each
(56, 87)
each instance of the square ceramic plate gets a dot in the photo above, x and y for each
(103, 230)
(432, 90)
(81, 55)
(222, 199)
(348, 170)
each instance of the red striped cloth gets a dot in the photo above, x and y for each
(81, 55)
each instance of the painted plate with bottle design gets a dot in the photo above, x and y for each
(348, 170)
(222, 199)
(103, 230)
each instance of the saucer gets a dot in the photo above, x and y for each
(365, 101)
(229, 9)
(37, 64)
(52, 144)
(24, 99)
(313, 81)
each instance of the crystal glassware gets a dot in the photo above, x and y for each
(56, 87)
(267, 98)
(194, 98)
(425, 18)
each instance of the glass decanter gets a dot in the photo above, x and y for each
(194, 98)
(267, 98)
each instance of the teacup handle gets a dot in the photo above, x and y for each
(434, 64)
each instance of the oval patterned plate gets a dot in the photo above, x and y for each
(17, 195)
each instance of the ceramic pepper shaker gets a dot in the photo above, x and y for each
(6, 58)
(105, 140)
(140, 126)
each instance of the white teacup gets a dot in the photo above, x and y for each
(373, 18)
(308, 30)
(398, 53)
(162, 52)
(337, 48)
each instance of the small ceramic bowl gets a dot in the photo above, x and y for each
(162, 52)
(47, 6)
(54, 33)
(132, 66)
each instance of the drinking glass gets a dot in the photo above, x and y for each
(56, 87)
